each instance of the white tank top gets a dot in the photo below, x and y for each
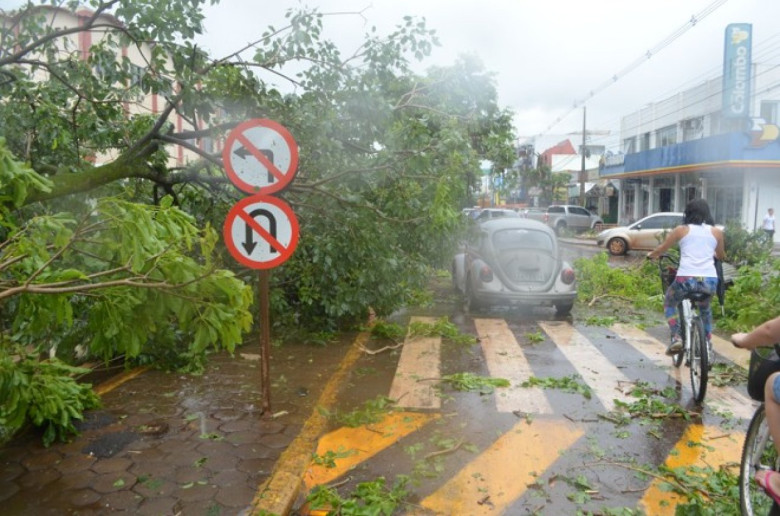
(697, 252)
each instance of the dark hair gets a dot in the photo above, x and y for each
(698, 212)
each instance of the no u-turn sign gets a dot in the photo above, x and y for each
(261, 231)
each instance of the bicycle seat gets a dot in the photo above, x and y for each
(698, 296)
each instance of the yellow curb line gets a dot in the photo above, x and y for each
(115, 381)
(278, 493)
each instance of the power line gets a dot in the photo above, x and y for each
(640, 60)
(767, 53)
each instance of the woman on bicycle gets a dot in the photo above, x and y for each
(700, 243)
(767, 334)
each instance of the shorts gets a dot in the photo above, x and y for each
(776, 387)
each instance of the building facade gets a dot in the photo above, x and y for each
(689, 146)
(81, 45)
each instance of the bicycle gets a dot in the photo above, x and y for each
(758, 451)
(695, 347)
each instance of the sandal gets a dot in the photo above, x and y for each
(765, 482)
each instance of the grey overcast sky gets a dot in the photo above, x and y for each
(548, 55)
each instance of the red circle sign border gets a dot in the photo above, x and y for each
(238, 255)
(289, 140)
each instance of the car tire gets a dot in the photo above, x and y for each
(471, 303)
(560, 228)
(563, 309)
(617, 246)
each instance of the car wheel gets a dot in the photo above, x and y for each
(560, 228)
(563, 308)
(617, 246)
(472, 303)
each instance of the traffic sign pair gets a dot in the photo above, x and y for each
(260, 158)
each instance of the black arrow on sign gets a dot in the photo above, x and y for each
(243, 152)
(249, 240)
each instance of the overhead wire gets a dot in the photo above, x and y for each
(766, 51)
(640, 60)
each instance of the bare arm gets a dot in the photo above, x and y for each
(765, 334)
(671, 239)
(720, 248)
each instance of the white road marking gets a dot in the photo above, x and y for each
(598, 372)
(505, 359)
(416, 378)
(721, 398)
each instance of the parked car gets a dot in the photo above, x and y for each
(495, 213)
(644, 234)
(561, 217)
(471, 213)
(533, 213)
(513, 261)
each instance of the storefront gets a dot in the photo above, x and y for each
(737, 174)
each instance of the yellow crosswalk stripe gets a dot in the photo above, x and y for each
(702, 446)
(414, 384)
(351, 446)
(503, 472)
(505, 359)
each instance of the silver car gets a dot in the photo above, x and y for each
(644, 234)
(513, 261)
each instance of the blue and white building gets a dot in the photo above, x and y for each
(719, 140)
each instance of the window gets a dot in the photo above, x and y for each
(136, 74)
(662, 222)
(629, 145)
(666, 136)
(693, 129)
(522, 238)
(576, 210)
(769, 110)
(645, 142)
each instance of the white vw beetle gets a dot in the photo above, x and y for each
(513, 261)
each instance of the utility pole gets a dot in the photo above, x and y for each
(582, 168)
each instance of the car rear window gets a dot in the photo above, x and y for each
(526, 238)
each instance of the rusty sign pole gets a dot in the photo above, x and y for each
(254, 168)
(265, 341)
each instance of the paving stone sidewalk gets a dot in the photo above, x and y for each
(167, 443)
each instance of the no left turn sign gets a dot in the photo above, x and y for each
(261, 231)
(260, 156)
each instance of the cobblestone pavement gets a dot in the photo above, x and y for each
(167, 443)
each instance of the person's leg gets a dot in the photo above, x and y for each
(772, 407)
(674, 295)
(710, 286)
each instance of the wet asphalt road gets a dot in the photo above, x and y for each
(173, 444)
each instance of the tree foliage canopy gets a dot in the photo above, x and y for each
(106, 239)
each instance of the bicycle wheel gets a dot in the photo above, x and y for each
(758, 453)
(699, 368)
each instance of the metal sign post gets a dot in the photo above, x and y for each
(265, 340)
(261, 231)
